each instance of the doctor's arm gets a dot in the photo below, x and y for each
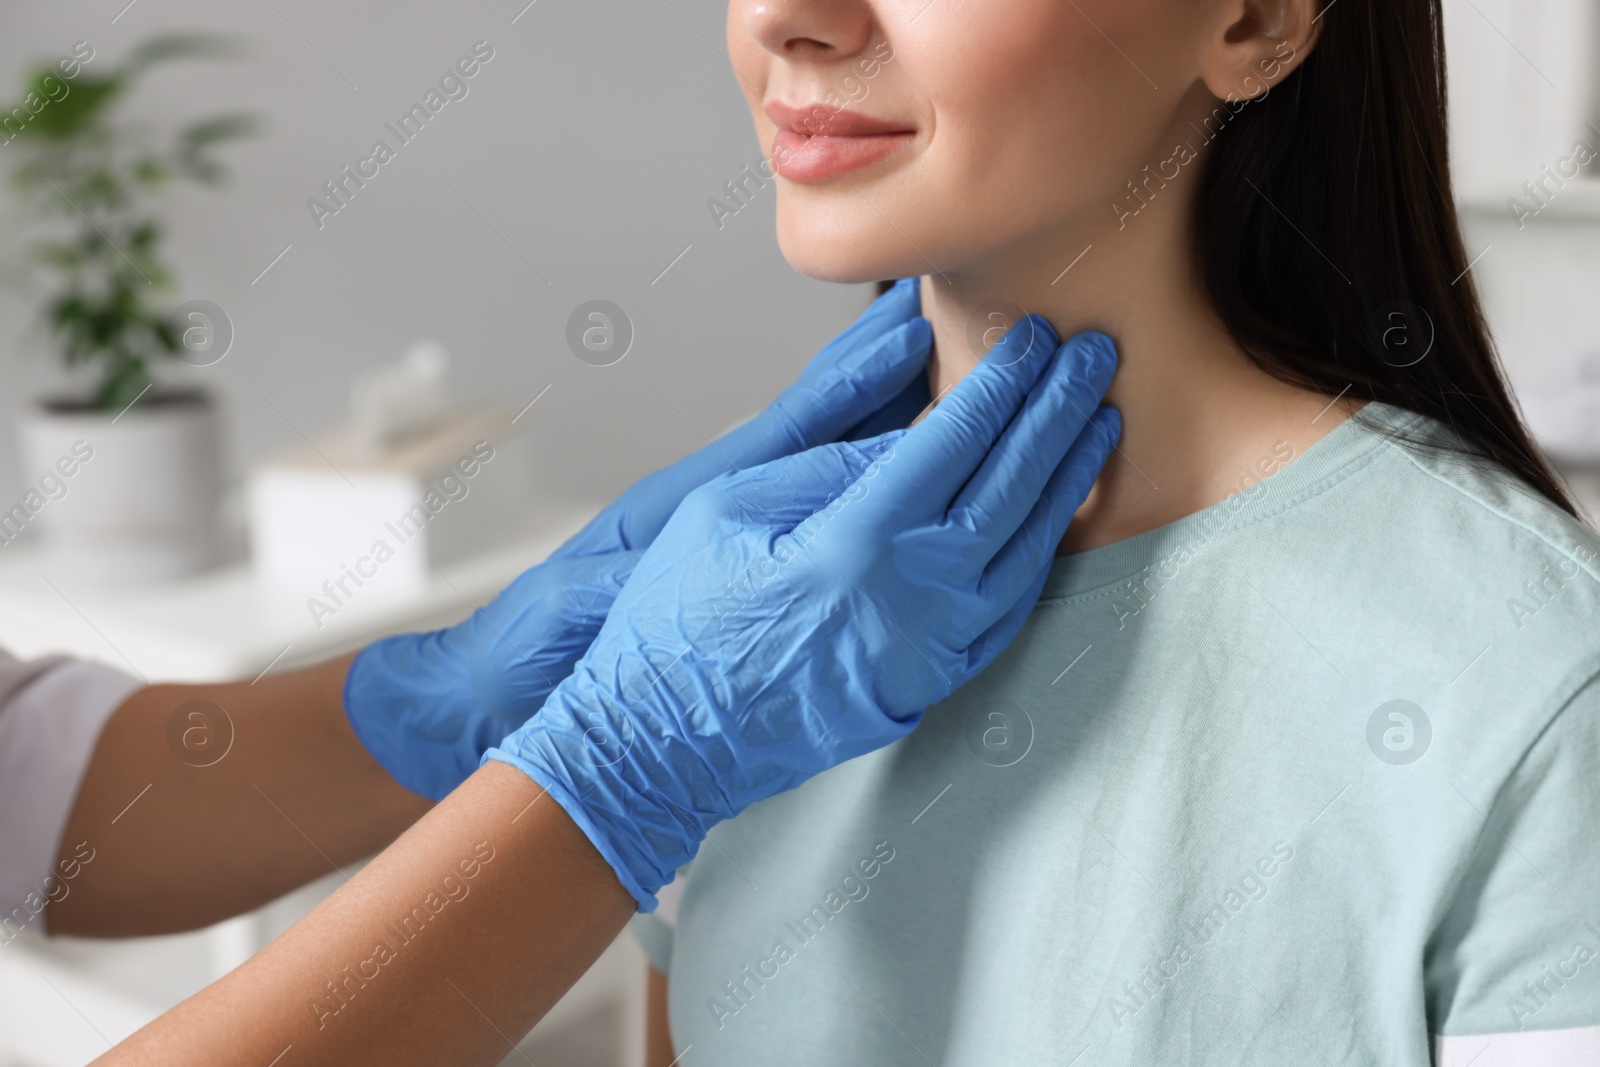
(447, 948)
(453, 942)
(204, 801)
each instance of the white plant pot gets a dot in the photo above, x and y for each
(123, 501)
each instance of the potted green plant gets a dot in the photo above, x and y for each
(124, 473)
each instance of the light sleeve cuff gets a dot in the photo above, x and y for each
(51, 715)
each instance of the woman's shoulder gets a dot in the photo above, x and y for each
(1461, 554)
(1473, 508)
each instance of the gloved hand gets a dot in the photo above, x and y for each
(427, 705)
(797, 614)
(880, 356)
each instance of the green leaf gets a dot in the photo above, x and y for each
(151, 171)
(179, 46)
(86, 101)
(193, 142)
(126, 379)
(218, 128)
(63, 255)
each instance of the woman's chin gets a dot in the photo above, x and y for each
(846, 254)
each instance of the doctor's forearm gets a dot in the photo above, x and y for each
(445, 949)
(204, 801)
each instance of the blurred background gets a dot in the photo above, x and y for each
(449, 297)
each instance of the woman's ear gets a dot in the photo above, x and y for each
(1257, 43)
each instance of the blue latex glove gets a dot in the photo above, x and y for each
(878, 360)
(428, 705)
(798, 614)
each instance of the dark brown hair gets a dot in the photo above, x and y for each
(1328, 239)
(1327, 235)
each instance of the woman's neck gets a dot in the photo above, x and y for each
(1198, 417)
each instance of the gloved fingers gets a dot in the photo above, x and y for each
(788, 491)
(635, 519)
(527, 639)
(851, 378)
(822, 406)
(591, 584)
(895, 415)
(937, 456)
(902, 303)
(1035, 542)
(1005, 489)
(612, 530)
(989, 644)
(578, 579)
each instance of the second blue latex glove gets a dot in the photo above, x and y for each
(869, 366)
(428, 705)
(795, 615)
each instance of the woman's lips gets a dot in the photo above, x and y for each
(816, 143)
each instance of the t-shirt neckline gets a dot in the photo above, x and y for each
(1305, 476)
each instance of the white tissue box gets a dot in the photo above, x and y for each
(334, 526)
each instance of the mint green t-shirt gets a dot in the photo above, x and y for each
(1309, 777)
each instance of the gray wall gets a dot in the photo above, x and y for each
(591, 141)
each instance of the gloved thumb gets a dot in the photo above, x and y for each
(787, 491)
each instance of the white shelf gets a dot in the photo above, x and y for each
(1577, 201)
(224, 624)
